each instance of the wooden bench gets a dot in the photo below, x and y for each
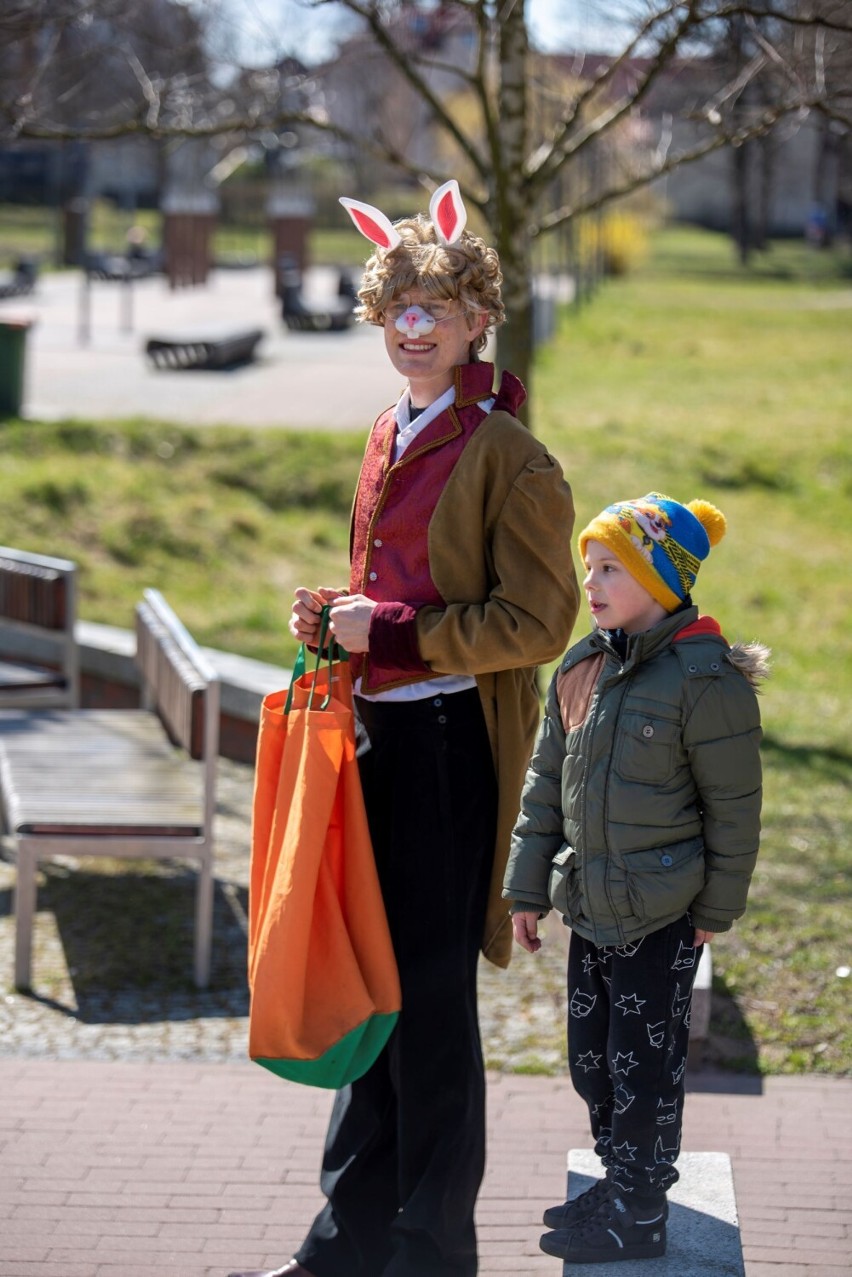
(225, 349)
(37, 604)
(119, 783)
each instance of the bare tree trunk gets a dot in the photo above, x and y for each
(514, 339)
(740, 220)
(763, 223)
(509, 212)
(825, 177)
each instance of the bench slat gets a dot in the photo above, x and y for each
(18, 676)
(86, 730)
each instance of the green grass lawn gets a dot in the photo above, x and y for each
(36, 231)
(692, 377)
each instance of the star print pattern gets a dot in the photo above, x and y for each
(630, 1004)
(628, 1032)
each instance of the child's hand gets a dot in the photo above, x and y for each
(525, 931)
(703, 937)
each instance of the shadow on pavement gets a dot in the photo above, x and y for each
(127, 941)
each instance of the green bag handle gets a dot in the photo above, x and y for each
(333, 652)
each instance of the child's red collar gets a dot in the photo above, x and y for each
(704, 625)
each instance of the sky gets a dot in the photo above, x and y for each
(554, 24)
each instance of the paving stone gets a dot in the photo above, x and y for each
(703, 1238)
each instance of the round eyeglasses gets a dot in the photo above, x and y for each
(437, 310)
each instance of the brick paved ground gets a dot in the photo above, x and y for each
(187, 1169)
(134, 1139)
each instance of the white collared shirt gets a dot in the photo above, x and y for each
(408, 430)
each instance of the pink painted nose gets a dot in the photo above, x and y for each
(415, 321)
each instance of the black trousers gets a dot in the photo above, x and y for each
(628, 1036)
(405, 1149)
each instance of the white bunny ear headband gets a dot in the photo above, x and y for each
(446, 209)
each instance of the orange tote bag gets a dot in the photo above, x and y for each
(324, 985)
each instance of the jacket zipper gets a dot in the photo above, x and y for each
(608, 869)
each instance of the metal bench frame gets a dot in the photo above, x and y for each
(181, 697)
(299, 317)
(181, 352)
(38, 600)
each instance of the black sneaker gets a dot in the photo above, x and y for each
(569, 1214)
(614, 1232)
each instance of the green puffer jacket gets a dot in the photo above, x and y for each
(642, 799)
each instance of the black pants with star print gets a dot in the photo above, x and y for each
(628, 1035)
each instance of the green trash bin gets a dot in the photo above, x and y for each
(13, 345)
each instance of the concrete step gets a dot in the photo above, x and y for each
(703, 1229)
(699, 1019)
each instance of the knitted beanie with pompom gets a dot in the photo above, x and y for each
(661, 542)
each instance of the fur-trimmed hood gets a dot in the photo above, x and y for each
(752, 660)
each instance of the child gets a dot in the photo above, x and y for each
(639, 823)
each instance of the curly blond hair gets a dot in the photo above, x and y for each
(468, 271)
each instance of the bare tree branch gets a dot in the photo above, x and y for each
(758, 128)
(152, 95)
(489, 117)
(791, 17)
(549, 163)
(370, 12)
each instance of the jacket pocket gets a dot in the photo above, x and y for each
(662, 882)
(563, 886)
(646, 752)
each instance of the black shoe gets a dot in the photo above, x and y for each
(572, 1213)
(614, 1232)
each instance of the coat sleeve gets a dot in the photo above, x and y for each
(531, 605)
(538, 834)
(722, 737)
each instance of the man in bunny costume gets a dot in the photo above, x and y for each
(461, 583)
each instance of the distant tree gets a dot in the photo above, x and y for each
(516, 157)
(99, 68)
(527, 171)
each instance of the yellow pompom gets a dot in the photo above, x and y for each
(712, 520)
